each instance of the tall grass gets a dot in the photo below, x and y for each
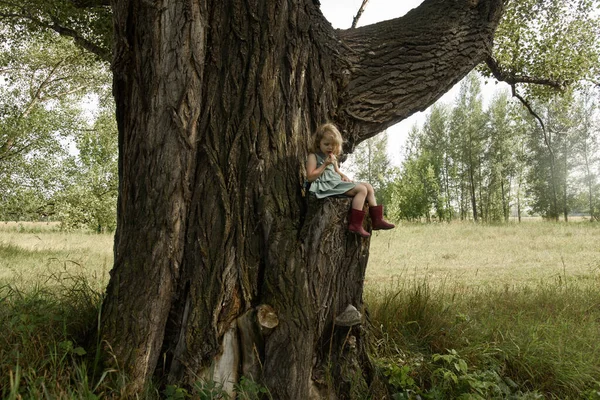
(543, 340)
(51, 286)
(509, 311)
(46, 331)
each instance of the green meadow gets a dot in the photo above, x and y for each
(455, 311)
(471, 255)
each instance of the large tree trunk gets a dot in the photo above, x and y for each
(220, 267)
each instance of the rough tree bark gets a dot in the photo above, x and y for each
(220, 267)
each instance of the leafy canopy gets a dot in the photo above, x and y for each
(88, 23)
(552, 40)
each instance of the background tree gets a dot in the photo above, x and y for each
(544, 45)
(370, 163)
(520, 127)
(40, 78)
(87, 23)
(467, 136)
(89, 198)
(434, 142)
(46, 82)
(500, 158)
(415, 193)
(513, 156)
(550, 155)
(587, 150)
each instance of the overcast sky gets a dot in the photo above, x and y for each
(341, 12)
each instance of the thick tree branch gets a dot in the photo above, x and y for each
(359, 14)
(533, 114)
(503, 76)
(76, 89)
(402, 66)
(86, 44)
(9, 150)
(103, 53)
(527, 106)
(5, 149)
(37, 96)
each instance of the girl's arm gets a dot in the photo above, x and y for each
(344, 177)
(312, 172)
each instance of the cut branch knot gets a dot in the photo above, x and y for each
(267, 318)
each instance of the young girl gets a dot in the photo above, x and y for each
(327, 180)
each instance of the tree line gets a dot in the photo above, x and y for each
(58, 161)
(471, 162)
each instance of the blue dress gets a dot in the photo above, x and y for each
(330, 183)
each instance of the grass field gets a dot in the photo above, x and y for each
(519, 304)
(31, 253)
(511, 254)
(464, 254)
(508, 311)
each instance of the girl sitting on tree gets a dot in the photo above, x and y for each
(327, 180)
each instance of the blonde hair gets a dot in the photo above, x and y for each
(327, 129)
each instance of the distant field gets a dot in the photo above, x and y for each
(464, 254)
(11, 226)
(468, 254)
(32, 252)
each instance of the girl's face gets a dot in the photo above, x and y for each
(328, 144)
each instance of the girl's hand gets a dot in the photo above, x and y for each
(331, 159)
(345, 178)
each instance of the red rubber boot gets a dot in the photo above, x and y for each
(377, 220)
(356, 223)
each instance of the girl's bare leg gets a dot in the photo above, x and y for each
(370, 195)
(358, 194)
